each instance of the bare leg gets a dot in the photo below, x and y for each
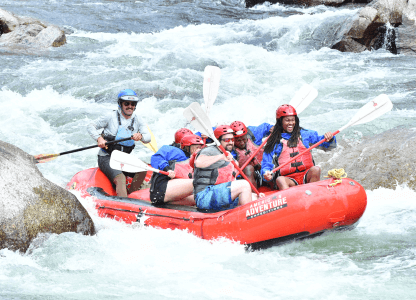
(314, 174)
(137, 182)
(242, 190)
(120, 182)
(190, 201)
(249, 171)
(178, 189)
(284, 183)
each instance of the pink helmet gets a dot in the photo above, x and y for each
(221, 130)
(180, 133)
(239, 128)
(191, 139)
(285, 110)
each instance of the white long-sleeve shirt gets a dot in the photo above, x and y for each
(109, 123)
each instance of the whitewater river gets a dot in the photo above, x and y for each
(160, 49)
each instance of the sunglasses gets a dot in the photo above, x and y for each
(127, 103)
(228, 140)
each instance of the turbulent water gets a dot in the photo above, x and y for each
(160, 49)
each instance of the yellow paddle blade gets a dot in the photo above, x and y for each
(153, 144)
(43, 158)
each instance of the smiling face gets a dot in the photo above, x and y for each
(241, 142)
(227, 141)
(127, 108)
(288, 124)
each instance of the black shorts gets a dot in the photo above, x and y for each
(158, 185)
(104, 165)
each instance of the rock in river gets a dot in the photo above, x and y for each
(32, 205)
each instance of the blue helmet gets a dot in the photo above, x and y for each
(127, 95)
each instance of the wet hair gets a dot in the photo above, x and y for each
(175, 145)
(187, 151)
(276, 135)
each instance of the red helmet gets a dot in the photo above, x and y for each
(285, 110)
(179, 134)
(221, 130)
(191, 139)
(239, 128)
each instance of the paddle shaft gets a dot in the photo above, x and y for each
(44, 157)
(240, 171)
(303, 152)
(146, 168)
(254, 154)
(94, 146)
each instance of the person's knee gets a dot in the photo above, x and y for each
(249, 170)
(119, 179)
(315, 170)
(240, 186)
(280, 181)
(247, 186)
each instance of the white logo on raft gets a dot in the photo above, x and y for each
(265, 206)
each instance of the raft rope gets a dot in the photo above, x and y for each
(337, 174)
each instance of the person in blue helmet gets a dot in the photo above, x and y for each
(120, 124)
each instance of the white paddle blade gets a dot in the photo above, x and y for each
(127, 162)
(303, 98)
(211, 86)
(199, 119)
(373, 109)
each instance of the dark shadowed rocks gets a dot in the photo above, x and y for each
(372, 26)
(31, 205)
(379, 23)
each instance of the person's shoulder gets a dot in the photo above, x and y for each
(137, 118)
(209, 150)
(307, 131)
(108, 115)
(169, 148)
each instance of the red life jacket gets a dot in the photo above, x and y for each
(300, 164)
(226, 174)
(244, 154)
(183, 170)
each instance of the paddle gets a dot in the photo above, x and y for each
(372, 110)
(129, 163)
(211, 85)
(196, 116)
(303, 97)
(152, 145)
(43, 158)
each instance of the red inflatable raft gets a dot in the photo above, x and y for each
(298, 212)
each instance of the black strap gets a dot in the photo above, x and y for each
(293, 154)
(131, 127)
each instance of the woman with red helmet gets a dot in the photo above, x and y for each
(286, 141)
(175, 161)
